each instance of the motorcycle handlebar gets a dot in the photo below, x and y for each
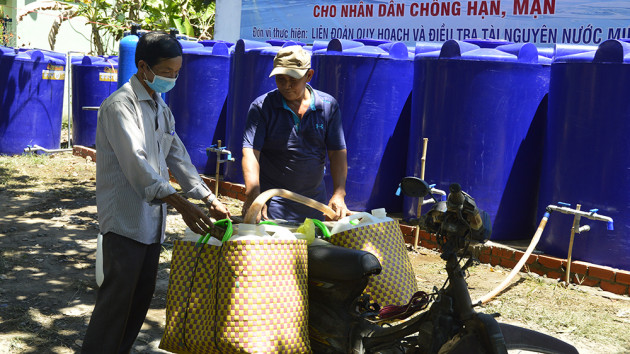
(455, 198)
(458, 200)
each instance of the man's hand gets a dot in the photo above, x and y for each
(339, 172)
(194, 217)
(248, 203)
(218, 210)
(338, 205)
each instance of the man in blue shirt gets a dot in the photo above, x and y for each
(288, 134)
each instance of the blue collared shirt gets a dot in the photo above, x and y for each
(296, 119)
(292, 150)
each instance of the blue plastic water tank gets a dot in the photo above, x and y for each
(487, 43)
(251, 64)
(186, 44)
(93, 80)
(483, 111)
(372, 82)
(198, 102)
(47, 53)
(31, 92)
(127, 56)
(212, 42)
(586, 153)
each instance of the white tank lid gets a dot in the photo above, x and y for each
(379, 213)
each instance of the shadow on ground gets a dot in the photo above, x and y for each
(48, 229)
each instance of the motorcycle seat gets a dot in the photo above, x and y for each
(327, 261)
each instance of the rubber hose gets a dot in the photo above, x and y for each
(489, 296)
(256, 207)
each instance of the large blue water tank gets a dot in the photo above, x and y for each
(186, 44)
(127, 56)
(212, 42)
(199, 102)
(93, 80)
(372, 82)
(47, 53)
(250, 67)
(483, 111)
(587, 159)
(31, 93)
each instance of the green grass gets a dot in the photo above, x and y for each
(64, 124)
(13, 169)
(24, 160)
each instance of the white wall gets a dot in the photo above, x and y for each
(33, 31)
(227, 23)
(74, 34)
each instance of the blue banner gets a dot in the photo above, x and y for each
(542, 22)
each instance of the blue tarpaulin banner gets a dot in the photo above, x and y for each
(542, 22)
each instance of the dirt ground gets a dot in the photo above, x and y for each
(48, 229)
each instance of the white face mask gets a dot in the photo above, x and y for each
(160, 84)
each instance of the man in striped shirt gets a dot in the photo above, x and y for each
(136, 147)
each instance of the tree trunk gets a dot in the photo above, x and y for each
(97, 40)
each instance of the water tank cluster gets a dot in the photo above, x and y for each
(586, 159)
(482, 107)
(375, 123)
(31, 94)
(199, 102)
(519, 127)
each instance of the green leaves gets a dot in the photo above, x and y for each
(193, 18)
(183, 26)
(208, 13)
(188, 28)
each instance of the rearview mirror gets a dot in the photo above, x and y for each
(415, 187)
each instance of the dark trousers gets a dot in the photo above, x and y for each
(122, 301)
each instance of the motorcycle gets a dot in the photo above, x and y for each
(342, 319)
